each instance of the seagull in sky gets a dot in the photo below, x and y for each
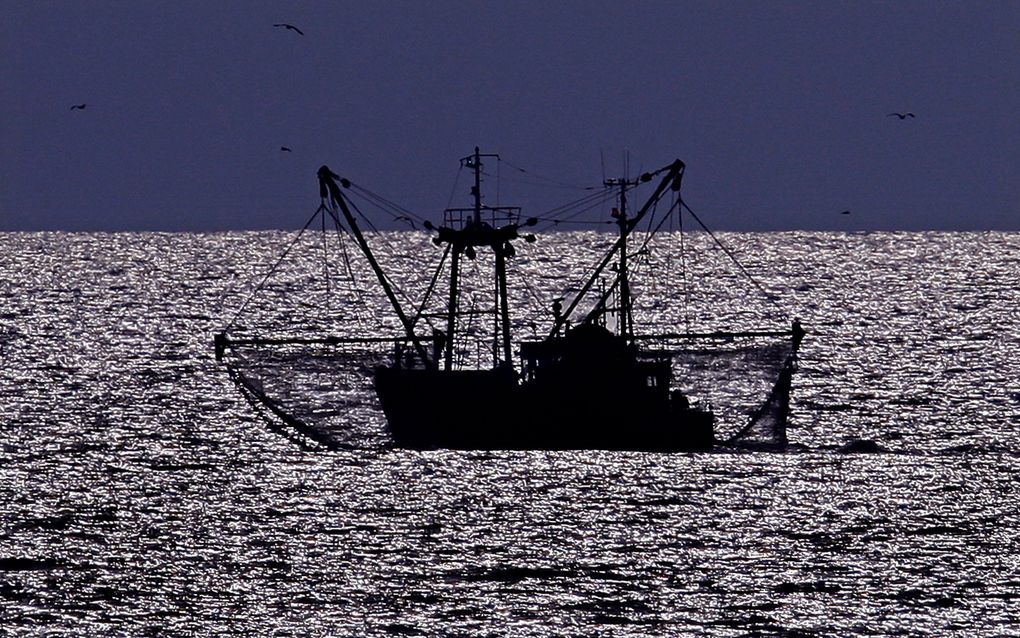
(291, 27)
(846, 212)
(285, 149)
(902, 116)
(78, 107)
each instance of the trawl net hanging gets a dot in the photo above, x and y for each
(744, 376)
(311, 377)
(314, 393)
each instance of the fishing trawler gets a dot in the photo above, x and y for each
(593, 381)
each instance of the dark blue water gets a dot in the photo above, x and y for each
(142, 496)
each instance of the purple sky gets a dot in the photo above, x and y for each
(778, 109)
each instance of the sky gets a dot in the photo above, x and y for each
(779, 109)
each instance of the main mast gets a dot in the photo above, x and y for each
(464, 236)
(626, 322)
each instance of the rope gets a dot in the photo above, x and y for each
(599, 196)
(390, 208)
(453, 191)
(325, 268)
(389, 245)
(651, 233)
(683, 274)
(361, 305)
(729, 254)
(272, 270)
(431, 288)
(384, 239)
(583, 205)
(527, 284)
(547, 179)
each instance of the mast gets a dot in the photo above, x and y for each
(626, 324)
(504, 307)
(451, 319)
(477, 190)
(674, 174)
(463, 237)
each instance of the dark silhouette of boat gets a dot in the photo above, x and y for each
(588, 389)
(587, 384)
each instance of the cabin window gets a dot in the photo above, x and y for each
(653, 382)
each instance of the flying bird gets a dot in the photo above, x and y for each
(78, 107)
(290, 27)
(846, 212)
(285, 149)
(405, 218)
(902, 116)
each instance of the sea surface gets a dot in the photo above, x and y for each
(141, 495)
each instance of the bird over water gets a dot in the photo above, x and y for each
(78, 107)
(902, 116)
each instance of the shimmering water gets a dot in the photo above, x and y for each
(141, 496)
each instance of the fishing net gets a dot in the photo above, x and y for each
(745, 378)
(315, 394)
(329, 326)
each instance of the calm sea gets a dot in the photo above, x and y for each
(142, 496)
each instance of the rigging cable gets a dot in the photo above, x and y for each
(729, 254)
(548, 179)
(583, 205)
(453, 191)
(273, 269)
(431, 288)
(649, 234)
(683, 274)
(361, 306)
(389, 245)
(385, 205)
(540, 305)
(585, 200)
(530, 288)
(325, 266)
(651, 218)
(472, 316)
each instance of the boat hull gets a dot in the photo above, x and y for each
(492, 410)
